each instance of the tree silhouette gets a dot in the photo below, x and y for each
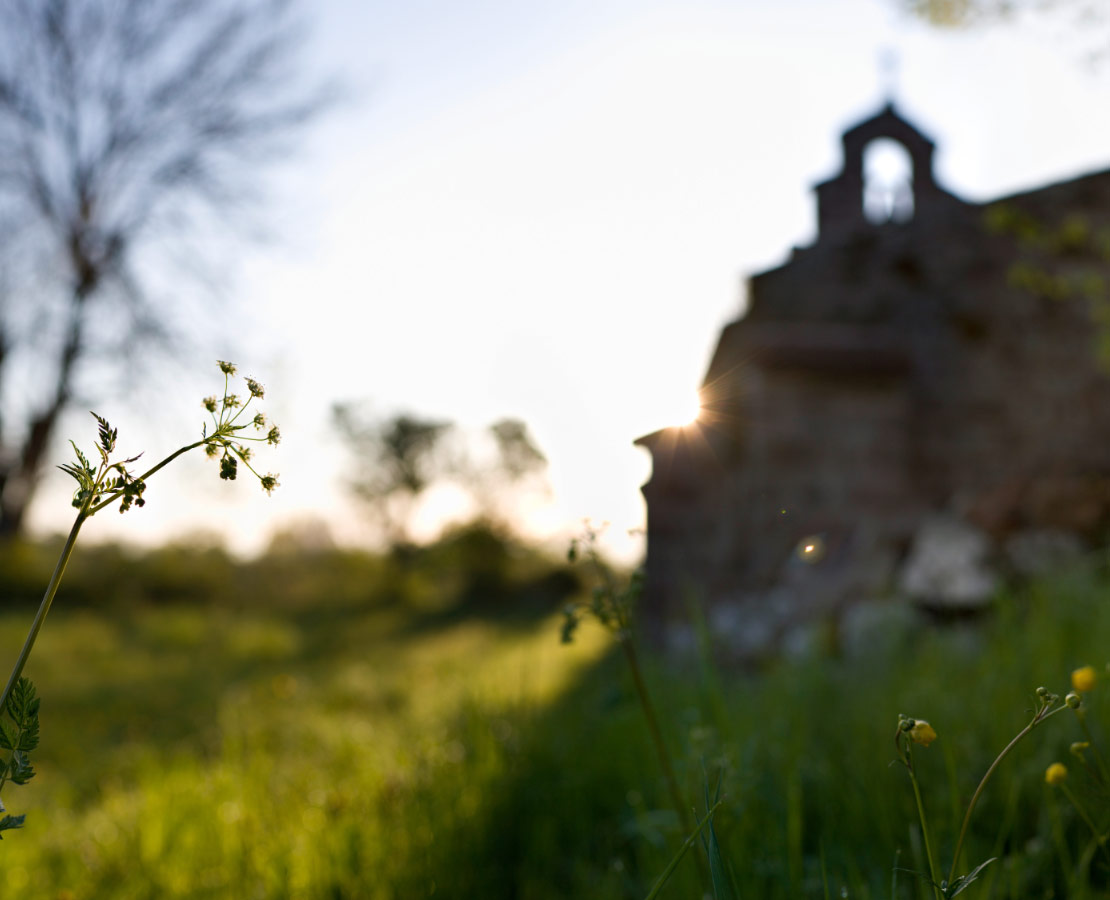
(126, 127)
(396, 459)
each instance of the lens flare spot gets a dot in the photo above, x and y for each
(811, 549)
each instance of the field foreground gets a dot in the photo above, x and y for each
(347, 730)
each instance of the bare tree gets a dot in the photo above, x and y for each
(124, 125)
(396, 460)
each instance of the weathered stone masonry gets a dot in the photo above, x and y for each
(890, 374)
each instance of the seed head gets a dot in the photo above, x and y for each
(226, 367)
(228, 468)
(274, 437)
(255, 388)
(259, 421)
(230, 401)
(210, 404)
(269, 482)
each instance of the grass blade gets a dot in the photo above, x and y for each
(686, 845)
(723, 889)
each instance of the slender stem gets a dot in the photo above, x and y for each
(924, 824)
(1099, 839)
(656, 732)
(59, 570)
(1041, 715)
(1080, 714)
(623, 617)
(44, 606)
(114, 497)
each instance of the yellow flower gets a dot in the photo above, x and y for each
(1056, 773)
(922, 733)
(1084, 679)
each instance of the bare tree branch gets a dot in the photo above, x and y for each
(121, 121)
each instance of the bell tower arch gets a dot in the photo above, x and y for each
(841, 200)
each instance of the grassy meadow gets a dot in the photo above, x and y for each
(340, 725)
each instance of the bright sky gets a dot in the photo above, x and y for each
(546, 210)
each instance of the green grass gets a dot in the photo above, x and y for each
(348, 729)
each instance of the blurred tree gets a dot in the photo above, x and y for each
(1084, 25)
(399, 458)
(307, 536)
(516, 461)
(126, 126)
(953, 13)
(519, 456)
(396, 459)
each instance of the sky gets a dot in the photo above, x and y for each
(548, 210)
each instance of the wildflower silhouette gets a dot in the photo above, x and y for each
(613, 606)
(910, 732)
(917, 731)
(99, 486)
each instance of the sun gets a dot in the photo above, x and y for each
(692, 413)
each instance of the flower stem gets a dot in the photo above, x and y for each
(1100, 840)
(656, 733)
(1080, 714)
(59, 570)
(1042, 714)
(44, 606)
(114, 497)
(924, 824)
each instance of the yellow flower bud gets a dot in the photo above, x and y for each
(922, 733)
(1056, 773)
(1084, 679)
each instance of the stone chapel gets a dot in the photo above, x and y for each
(915, 405)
